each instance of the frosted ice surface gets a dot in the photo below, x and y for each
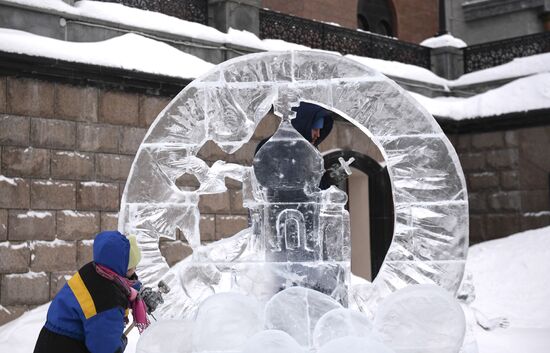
(340, 323)
(355, 345)
(421, 319)
(225, 322)
(298, 234)
(296, 311)
(272, 341)
(168, 336)
(361, 296)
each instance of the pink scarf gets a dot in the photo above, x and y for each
(137, 304)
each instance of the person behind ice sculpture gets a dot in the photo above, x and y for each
(89, 313)
(314, 123)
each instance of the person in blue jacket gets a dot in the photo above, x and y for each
(88, 314)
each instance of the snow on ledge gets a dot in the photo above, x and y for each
(528, 93)
(445, 40)
(34, 214)
(129, 51)
(11, 181)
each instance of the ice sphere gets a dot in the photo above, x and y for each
(421, 319)
(296, 311)
(225, 322)
(168, 336)
(355, 345)
(340, 323)
(272, 341)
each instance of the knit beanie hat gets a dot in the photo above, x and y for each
(135, 252)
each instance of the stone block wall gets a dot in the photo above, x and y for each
(65, 153)
(508, 177)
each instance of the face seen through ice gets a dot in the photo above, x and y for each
(299, 234)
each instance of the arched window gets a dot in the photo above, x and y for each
(376, 16)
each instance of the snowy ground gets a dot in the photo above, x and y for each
(511, 279)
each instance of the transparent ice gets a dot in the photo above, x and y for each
(168, 336)
(296, 311)
(341, 323)
(355, 345)
(272, 341)
(225, 321)
(298, 234)
(421, 319)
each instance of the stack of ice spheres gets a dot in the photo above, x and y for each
(293, 224)
(417, 319)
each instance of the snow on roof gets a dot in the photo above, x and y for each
(129, 51)
(155, 21)
(402, 70)
(138, 18)
(518, 67)
(445, 40)
(135, 52)
(524, 94)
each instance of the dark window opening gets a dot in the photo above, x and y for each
(362, 23)
(381, 210)
(379, 14)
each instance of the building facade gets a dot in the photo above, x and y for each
(408, 20)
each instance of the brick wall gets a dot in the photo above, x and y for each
(343, 12)
(507, 173)
(65, 152)
(416, 19)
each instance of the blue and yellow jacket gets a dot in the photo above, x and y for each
(91, 308)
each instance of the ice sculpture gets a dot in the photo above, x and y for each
(225, 321)
(296, 311)
(168, 336)
(355, 345)
(272, 341)
(293, 224)
(339, 323)
(421, 319)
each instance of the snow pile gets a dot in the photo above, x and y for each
(446, 40)
(129, 51)
(528, 93)
(154, 21)
(511, 279)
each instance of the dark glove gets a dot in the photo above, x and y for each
(151, 298)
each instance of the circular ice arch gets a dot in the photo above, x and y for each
(431, 212)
